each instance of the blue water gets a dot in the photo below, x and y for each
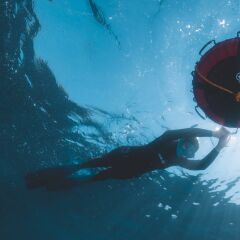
(139, 68)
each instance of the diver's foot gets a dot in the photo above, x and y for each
(49, 175)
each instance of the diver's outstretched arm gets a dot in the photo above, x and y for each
(187, 133)
(172, 135)
(205, 162)
(199, 164)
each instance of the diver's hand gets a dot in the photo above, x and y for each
(222, 132)
(223, 141)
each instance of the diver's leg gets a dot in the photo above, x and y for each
(70, 182)
(96, 162)
(108, 160)
(55, 174)
(103, 175)
(52, 175)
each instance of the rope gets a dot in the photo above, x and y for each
(236, 95)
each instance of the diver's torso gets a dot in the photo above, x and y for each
(141, 159)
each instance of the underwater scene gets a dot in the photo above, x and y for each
(119, 119)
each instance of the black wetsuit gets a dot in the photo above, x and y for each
(128, 161)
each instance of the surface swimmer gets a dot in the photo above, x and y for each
(173, 148)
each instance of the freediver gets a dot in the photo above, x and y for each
(173, 148)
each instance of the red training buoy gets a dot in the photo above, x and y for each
(216, 82)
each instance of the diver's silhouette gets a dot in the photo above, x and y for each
(173, 148)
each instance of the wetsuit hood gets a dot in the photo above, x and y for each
(187, 147)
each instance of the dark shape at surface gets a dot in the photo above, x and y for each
(216, 82)
(159, 8)
(100, 18)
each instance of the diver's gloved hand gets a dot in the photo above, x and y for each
(222, 132)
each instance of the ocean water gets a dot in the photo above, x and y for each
(133, 60)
